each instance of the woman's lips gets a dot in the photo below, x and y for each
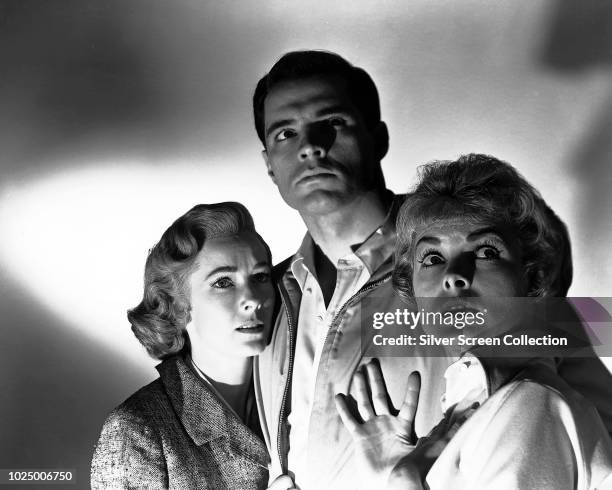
(251, 327)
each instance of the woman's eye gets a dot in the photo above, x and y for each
(262, 277)
(487, 252)
(285, 134)
(430, 258)
(223, 283)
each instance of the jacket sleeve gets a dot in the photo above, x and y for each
(128, 454)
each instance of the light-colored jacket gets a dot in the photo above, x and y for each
(175, 433)
(329, 444)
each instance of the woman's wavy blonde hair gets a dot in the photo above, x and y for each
(481, 188)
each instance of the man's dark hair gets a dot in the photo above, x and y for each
(298, 65)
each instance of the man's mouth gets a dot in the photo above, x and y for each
(305, 179)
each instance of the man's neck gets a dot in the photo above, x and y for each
(337, 232)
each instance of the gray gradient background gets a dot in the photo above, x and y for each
(117, 116)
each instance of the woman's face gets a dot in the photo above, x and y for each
(465, 267)
(232, 297)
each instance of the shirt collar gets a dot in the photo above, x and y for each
(373, 252)
(466, 383)
(474, 378)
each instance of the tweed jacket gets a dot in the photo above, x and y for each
(175, 433)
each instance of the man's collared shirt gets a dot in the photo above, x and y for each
(353, 272)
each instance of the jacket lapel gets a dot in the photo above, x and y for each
(204, 416)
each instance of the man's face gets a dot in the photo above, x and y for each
(318, 150)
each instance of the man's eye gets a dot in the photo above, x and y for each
(284, 134)
(487, 252)
(336, 121)
(430, 258)
(262, 277)
(223, 283)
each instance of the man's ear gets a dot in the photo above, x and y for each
(381, 140)
(264, 154)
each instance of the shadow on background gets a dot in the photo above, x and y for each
(56, 388)
(580, 40)
(84, 79)
(69, 73)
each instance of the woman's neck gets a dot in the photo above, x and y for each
(231, 377)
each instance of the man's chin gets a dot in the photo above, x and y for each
(322, 201)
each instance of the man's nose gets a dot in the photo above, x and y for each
(311, 151)
(315, 142)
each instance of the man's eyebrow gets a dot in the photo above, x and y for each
(475, 235)
(334, 109)
(223, 268)
(278, 124)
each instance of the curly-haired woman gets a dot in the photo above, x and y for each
(206, 310)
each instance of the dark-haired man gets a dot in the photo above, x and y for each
(319, 120)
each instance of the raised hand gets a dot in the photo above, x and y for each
(382, 439)
(414, 466)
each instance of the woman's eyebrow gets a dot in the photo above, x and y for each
(223, 268)
(431, 240)
(261, 264)
(475, 235)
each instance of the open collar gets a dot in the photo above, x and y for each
(375, 250)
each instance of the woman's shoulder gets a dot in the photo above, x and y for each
(138, 408)
(129, 451)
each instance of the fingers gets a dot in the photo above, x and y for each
(378, 388)
(362, 396)
(411, 401)
(347, 418)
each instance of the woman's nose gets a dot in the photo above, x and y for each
(459, 274)
(456, 282)
(250, 301)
